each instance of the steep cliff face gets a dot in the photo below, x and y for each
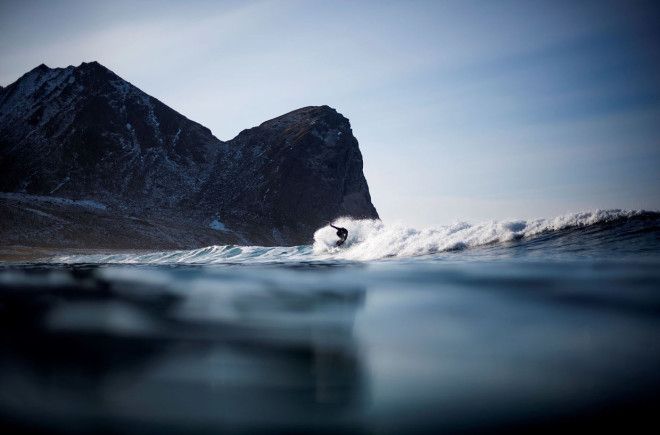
(294, 173)
(84, 134)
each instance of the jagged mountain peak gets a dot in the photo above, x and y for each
(95, 67)
(42, 74)
(91, 64)
(40, 68)
(43, 69)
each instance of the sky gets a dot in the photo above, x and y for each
(464, 110)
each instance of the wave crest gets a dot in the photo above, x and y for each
(372, 240)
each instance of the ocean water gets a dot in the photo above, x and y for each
(519, 326)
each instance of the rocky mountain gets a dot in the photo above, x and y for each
(89, 160)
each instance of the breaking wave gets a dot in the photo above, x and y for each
(372, 240)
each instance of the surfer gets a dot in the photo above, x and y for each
(342, 233)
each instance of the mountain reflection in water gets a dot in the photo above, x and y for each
(387, 347)
(88, 347)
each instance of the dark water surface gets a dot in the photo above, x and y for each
(558, 332)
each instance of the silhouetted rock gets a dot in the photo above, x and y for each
(90, 160)
(293, 173)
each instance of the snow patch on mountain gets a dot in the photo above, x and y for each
(217, 225)
(24, 197)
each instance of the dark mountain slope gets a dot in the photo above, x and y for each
(84, 134)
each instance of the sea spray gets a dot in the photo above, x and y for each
(373, 240)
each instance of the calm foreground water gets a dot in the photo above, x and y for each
(550, 329)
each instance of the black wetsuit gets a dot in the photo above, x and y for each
(342, 233)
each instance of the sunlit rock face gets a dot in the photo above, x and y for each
(90, 160)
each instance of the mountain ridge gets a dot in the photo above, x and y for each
(84, 133)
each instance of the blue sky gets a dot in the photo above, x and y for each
(463, 110)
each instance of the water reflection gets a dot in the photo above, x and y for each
(89, 348)
(394, 346)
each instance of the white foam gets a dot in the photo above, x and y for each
(371, 239)
(368, 240)
(208, 255)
